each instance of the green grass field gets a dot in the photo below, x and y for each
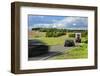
(50, 40)
(53, 40)
(74, 53)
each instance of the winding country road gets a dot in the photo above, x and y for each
(53, 51)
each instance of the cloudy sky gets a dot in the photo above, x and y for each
(67, 22)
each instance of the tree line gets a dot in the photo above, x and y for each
(54, 32)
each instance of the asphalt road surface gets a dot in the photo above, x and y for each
(53, 51)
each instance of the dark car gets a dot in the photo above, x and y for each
(69, 43)
(36, 48)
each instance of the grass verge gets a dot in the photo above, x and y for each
(74, 53)
(53, 40)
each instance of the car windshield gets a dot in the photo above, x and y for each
(35, 42)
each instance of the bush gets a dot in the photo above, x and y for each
(84, 34)
(69, 43)
(49, 34)
(85, 41)
(54, 34)
(71, 34)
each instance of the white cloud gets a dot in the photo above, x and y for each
(69, 20)
(74, 24)
(54, 26)
(64, 22)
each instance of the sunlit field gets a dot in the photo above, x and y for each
(80, 51)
